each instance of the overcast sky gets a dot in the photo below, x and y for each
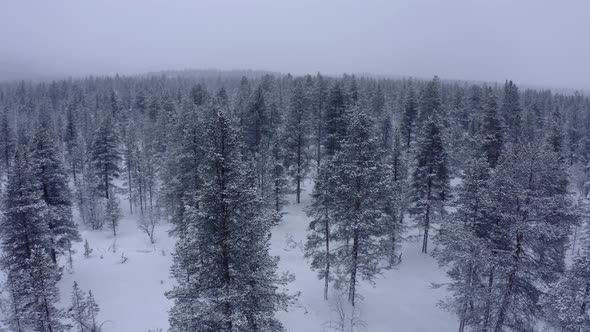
(533, 42)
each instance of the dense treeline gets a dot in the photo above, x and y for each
(215, 153)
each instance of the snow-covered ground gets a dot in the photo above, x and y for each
(131, 294)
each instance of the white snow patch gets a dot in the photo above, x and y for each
(131, 294)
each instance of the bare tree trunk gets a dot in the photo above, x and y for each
(352, 286)
(327, 275)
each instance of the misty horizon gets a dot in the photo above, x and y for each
(486, 42)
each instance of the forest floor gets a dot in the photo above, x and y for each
(131, 293)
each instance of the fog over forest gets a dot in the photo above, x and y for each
(271, 166)
(532, 42)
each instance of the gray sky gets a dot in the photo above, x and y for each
(536, 42)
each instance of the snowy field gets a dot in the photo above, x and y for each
(131, 294)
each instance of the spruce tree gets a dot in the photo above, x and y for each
(227, 281)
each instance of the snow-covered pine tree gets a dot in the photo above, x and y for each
(92, 310)
(430, 180)
(318, 246)
(181, 172)
(566, 305)
(112, 213)
(318, 110)
(464, 237)
(529, 218)
(24, 234)
(84, 310)
(296, 137)
(42, 278)
(227, 281)
(409, 116)
(52, 180)
(511, 111)
(492, 130)
(71, 139)
(278, 178)
(430, 102)
(15, 303)
(7, 141)
(88, 199)
(131, 161)
(104, 154)
(360, 206)
(319, 237)
(87, 249)
(78, 312)
(395, 204)
(555, 137)
(336, 119)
